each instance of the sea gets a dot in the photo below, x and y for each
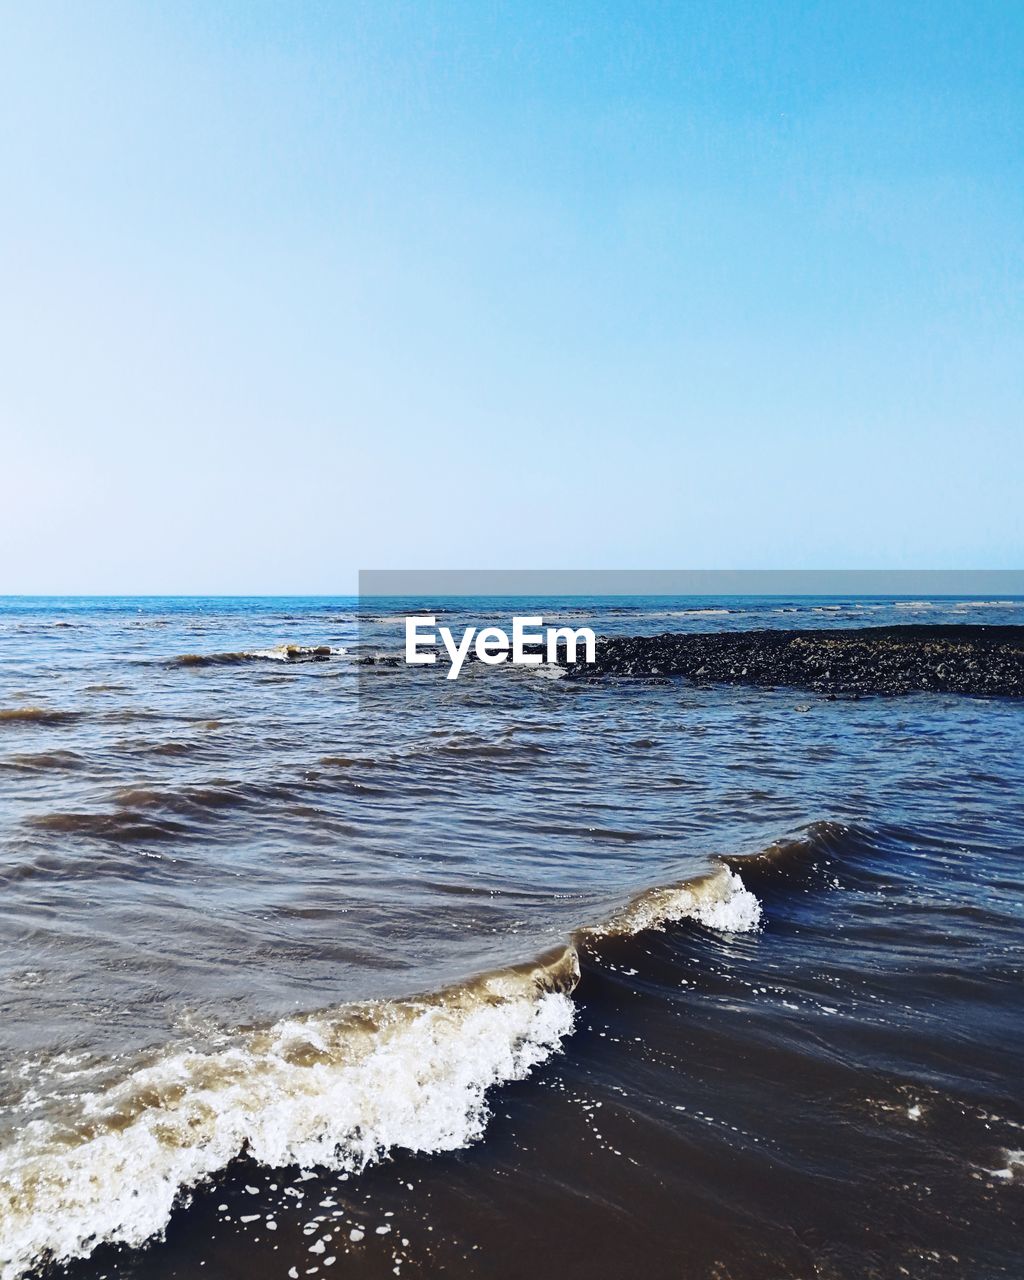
(316, 967)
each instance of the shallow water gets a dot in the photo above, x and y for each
(224, 880)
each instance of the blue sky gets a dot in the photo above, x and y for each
(289, 290)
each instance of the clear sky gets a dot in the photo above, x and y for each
(293, 289)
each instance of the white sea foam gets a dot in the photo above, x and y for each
(718, 900)
(690, 613)
(547, 671)
(338, 1091)
(1013, 1169)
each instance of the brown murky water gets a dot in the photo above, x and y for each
(448, 978)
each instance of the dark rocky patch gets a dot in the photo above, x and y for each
(984, 661)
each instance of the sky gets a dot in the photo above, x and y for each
(293, 290)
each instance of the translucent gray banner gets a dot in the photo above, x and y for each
(689, 582)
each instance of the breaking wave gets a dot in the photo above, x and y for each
(276, 653)
(717, 900)
(340, 1089)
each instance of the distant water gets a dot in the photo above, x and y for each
(315, 968)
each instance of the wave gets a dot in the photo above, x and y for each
(825, 854)
(38, 715)
(718, 900)
(339, 1089)
(694, 612)
(153, 813)
(39, 761)
(122, 825)
(277, 653)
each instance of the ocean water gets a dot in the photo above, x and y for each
(312, 967)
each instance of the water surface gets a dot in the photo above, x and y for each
(249, 896)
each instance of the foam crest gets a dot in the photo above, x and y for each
(336, 1090)
(275, 653)
(297, 652)
(718, 900)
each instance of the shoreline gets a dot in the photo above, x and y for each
(971, 659)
